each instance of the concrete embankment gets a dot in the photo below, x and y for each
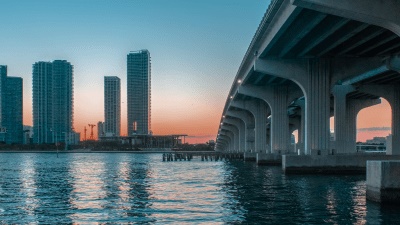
(330, 164)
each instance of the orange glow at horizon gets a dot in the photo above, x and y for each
(199, 120)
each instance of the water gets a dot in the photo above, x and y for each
(140, 188)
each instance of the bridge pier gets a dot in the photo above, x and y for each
(249, 125)
(342, 142)
(259, 111)
(268, 159)
(235, 135)
(383, 184)
(250, 156)
(242, 131)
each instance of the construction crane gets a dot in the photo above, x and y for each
(91, 131)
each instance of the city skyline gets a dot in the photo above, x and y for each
(195, 56)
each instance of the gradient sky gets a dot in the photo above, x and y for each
(196, 48)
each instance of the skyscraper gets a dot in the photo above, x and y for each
(10, 108)
(52, 101)
(12, 115)
(100, 130)
(112, 106)
(139, 92)
(3, 77)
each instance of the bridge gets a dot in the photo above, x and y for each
(310, 60)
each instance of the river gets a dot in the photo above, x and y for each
(86, 188)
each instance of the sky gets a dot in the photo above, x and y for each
(196, 48)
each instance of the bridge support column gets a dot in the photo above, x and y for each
(318, 107)
(259, 110)
(280, 121)
(249, 127)
(235, 136)
(301, 128)
(239, 125)
(395, 103)
(277, 98)
(229, 138)
(260, 116)
(225, 140)
(313, 77)
(342, 142)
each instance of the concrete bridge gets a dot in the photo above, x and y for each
(310, 60)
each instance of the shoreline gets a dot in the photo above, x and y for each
(100, 151)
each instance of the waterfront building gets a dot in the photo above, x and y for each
(12, 114)
(100, 130)
(139, 92)
(3, 76)
(112, 106)
(377, 141)
(52, 101)
(10, 108)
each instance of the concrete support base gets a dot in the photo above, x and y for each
(383, 184)
(250, 156)
(330, 164)
(269, 159)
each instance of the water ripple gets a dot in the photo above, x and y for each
(139, 188)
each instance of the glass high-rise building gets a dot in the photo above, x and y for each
(139, 92)
(112, 106)
(52, 101)
(11, 113)
(3, 76)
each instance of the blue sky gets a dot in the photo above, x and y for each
(196, 49)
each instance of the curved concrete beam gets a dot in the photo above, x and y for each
(380, 13)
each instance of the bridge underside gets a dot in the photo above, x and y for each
(310, 60)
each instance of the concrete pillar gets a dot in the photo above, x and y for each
(239, 124)
(277, 98)
(228, 140)
(280, 121)
(395, 104)
(248, 120)
(342, 142)
(383, 184)
(300, 132)
(231, 137)
(313, 77)
(259, 110)
(224, 145)
(318, 107)
(260, 116)
(236, 135)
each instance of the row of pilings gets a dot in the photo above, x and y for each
(212, 156)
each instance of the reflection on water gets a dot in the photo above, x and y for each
(124, 188)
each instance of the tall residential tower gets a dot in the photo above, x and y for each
(10, 108)
(112, 106)
(139, 92)
(52, 101)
